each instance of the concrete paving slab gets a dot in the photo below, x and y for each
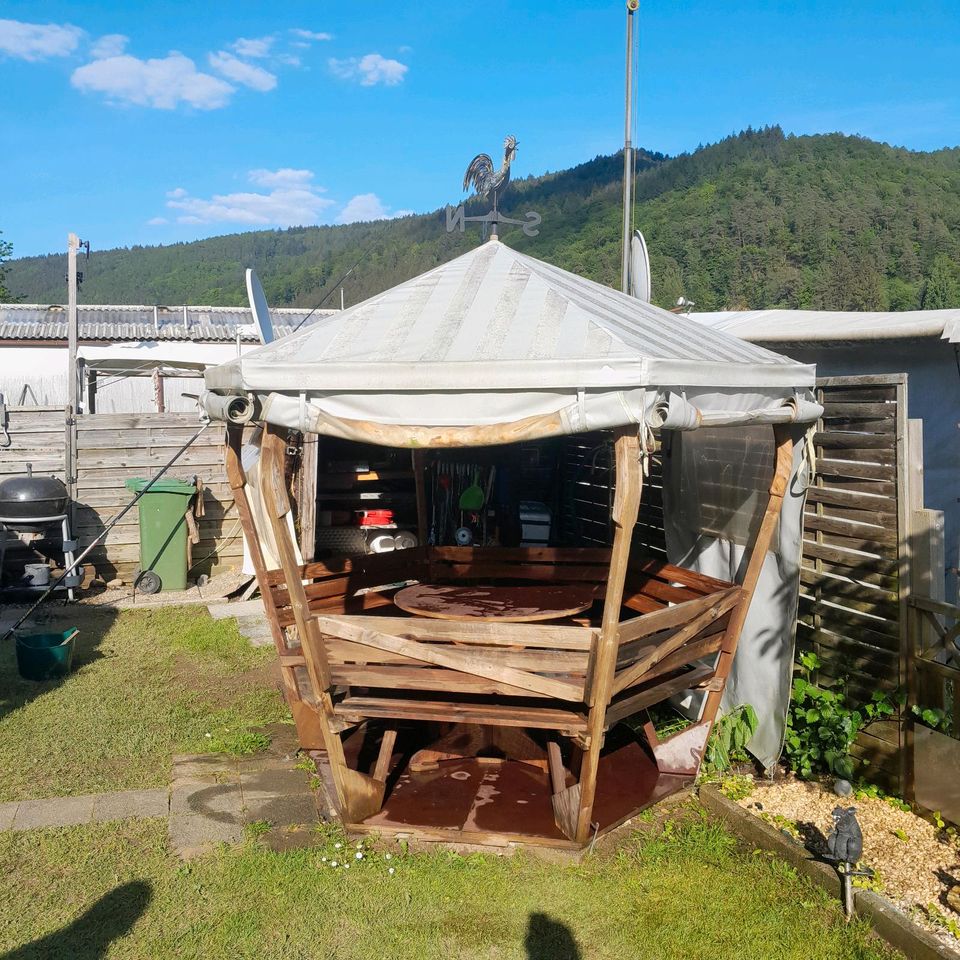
(296, 837)
(186, 766)
(192, 834)
(7, 813)
(293, 810)
(55, 812)
(131, 803)
(220, 802)
(241, 608)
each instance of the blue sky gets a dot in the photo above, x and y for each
(137, 124)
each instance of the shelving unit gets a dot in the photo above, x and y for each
(354, 477)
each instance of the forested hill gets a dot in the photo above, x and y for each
(757, 220)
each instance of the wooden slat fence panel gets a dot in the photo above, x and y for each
(114, 447)
(851, 596)
(587, 496)
(34, 435)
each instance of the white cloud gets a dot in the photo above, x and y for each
(284, 177)
(310, 34)
(37, 41)
(289, 59)
(370, 70)
(157, 221)
(247, 74)
(291, 200)
(368, 206)
(259, 47)
(163, 83)
(109, 45)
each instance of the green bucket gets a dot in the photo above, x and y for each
(44, 656)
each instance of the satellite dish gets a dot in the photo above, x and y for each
(639, 268)
(258, 307)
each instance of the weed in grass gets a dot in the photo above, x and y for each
(869, 880)
(255, 830)
(736, 787)
(937, 917)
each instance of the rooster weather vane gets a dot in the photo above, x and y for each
(485, 180)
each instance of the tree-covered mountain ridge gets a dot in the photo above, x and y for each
(757, 220)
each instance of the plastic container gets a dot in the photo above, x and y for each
(535, 521)
(44, 656)
(36, 574)
(163, 529)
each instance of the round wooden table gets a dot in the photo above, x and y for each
(522, 604)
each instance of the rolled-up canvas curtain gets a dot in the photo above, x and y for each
(715, 484)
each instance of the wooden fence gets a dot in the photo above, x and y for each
(112, 448)
(855, 577)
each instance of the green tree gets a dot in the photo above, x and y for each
(6, 248)
(941, 289)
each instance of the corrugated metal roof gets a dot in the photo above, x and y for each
(815, 326)
(113, 322)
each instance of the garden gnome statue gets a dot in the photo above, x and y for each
(845, 846)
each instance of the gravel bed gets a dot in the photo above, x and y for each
(916, 864)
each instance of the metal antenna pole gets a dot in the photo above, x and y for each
(73, 243)
(632, 5)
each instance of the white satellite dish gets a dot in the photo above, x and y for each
(639, 268)
(258, 307)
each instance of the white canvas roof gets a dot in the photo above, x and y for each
(495, 337)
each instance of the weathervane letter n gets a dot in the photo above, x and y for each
(455, 218)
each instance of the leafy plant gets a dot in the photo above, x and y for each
(822, 725)
(931, 717)
(729, 739)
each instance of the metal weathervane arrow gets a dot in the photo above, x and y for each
(485, 180)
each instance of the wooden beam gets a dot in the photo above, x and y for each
(358, 795)
(626, 506)
(307, 496)
(634, 674)
(547, 636)
(783, 468)
(636, 628)
(382, 767)
(470, 662)
(304, 715)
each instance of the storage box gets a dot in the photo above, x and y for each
(534, 523)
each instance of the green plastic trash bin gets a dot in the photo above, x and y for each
(163, 533)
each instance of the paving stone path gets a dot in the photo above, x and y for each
(212, 799)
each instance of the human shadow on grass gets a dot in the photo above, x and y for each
(548, 939)
(90, 935)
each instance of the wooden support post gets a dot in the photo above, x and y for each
(558, 775)
(307, 496)
(382, 766)
(783, 468)
(573, 807)
(419, 463)
(358, 795)
(305, 716)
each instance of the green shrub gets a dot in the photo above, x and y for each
(729, 739)
(822, 725)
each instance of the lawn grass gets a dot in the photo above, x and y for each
(685, 892)
(146, 684)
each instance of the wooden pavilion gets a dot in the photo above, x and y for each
(497, 694)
